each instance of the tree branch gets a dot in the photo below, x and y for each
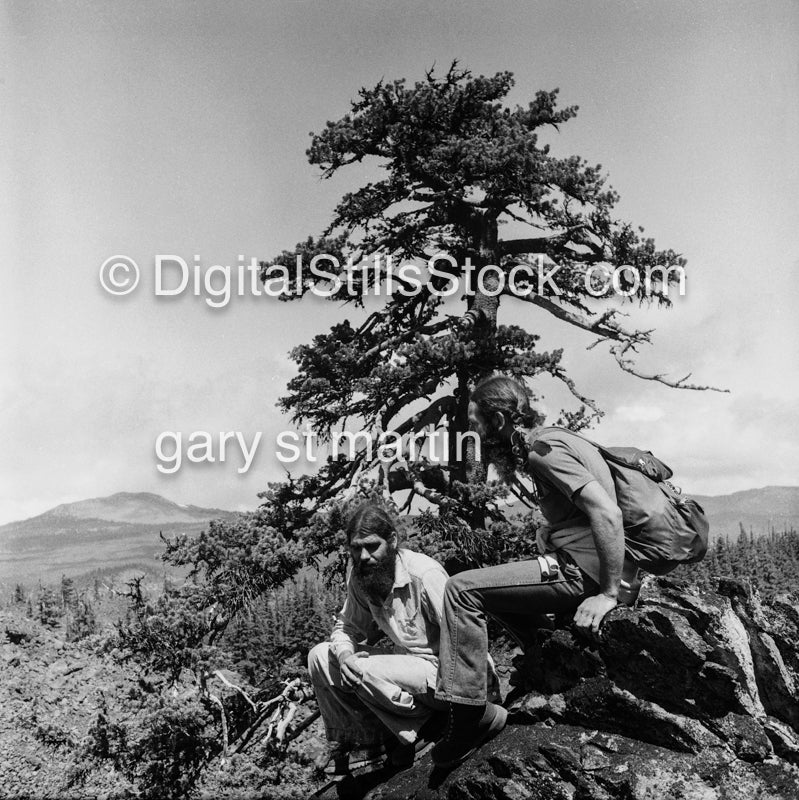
(521, 492)
(235, 688)
(400, 401)
(537, 244)
(387, 344)
(619, 352)
(306, 723)
(603, 325)
(216, 701)
(431, 495)
(572, 387)
(608, 329)
(369, 323)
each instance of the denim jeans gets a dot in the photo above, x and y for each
(513, 594)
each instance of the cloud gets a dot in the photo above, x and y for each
(639, 413)
(775, 417)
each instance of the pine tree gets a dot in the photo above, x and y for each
(81, 618)
(48, 608)
(458, 165)
(68, 595)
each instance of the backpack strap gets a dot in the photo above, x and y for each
(642, 461)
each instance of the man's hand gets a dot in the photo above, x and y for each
(351, 672)
(592, 610)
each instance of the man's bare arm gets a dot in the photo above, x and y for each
(605, 518)
(606, 525)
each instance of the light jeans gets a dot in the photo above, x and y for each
(515, 595)
(394, 695)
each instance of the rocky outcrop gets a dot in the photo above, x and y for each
(688, 695)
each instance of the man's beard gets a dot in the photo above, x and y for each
(500, 454)
(378, 580)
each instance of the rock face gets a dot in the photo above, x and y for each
(688, 695)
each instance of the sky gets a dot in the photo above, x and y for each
(145, 128)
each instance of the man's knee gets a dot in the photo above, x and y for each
(458, 590)
(396, 673)
(319, 660)
(393, 685)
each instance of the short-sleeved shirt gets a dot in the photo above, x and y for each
(561, 464)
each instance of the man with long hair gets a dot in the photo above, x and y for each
(581, 569)
(368, 698)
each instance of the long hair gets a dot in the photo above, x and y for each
(499, 393)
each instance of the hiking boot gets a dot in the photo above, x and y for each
(335, 760)
(401, 756)
(435, 727)
(341, 759)
(467, 729)
(367, 757)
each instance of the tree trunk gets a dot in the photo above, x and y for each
(486, 303)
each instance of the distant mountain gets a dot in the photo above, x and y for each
(760, 510)
(104, 533)
(120, 533)
(132, 507)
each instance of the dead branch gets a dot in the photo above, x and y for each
(278, 711)
(619, 352)
(225, 744)
(572, 387)
(238, 689)
(306, 723)
(610, 330)
(284, 722)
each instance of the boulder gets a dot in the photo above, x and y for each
(688, 695)
(19, 632)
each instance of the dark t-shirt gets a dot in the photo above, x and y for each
(561, 464)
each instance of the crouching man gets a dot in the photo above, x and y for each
(369, 700)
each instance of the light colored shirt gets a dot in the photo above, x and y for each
(410, 615)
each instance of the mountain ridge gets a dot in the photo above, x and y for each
(129, 507)
(756, 510)
(112, 534)
(123, 530)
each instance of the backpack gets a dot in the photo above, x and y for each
(663, 528)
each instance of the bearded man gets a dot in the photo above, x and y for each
(583, 568)
(367, 698)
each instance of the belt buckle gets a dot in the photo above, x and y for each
(549, 567)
